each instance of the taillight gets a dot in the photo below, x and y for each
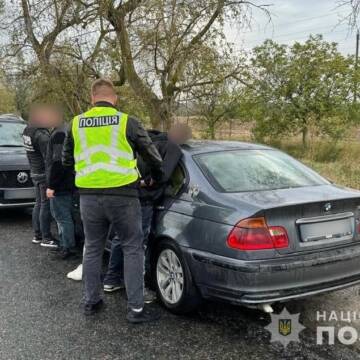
(255, 234)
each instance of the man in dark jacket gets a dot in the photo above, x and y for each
(36, 136)
(101, 143)
(60, 188)
(150, 195)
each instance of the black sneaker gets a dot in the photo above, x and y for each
(144, 316)
(36, 240)
(49, 244)
(91, 309)
(62, 254)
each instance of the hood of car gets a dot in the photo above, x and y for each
(13, 157)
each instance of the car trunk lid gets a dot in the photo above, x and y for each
(317, 225)
(314, 217)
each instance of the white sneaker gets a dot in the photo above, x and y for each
(112, 288)
(76, 274)
(149, 296)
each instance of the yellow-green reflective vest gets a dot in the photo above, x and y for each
(103, 155)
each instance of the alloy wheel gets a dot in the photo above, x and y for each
(170, 276)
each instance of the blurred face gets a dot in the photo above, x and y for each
(179, 134)
(46, 117)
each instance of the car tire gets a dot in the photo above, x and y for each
(179, 302)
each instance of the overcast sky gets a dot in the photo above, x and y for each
(294, 20)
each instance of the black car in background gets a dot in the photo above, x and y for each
(16, 188)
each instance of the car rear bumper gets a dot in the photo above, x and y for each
(258, 282)
(16, 197)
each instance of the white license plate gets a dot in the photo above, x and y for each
(16, 194)
(330, 230)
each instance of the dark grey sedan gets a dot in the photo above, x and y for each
(251, 225)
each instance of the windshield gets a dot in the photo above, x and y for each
(252, 170)
(11, 133)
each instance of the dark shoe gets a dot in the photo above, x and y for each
(149, 296)
(36, 240)
(91, 309)
(112, 288)
(63, 254)
(144, 316)
(49, 244)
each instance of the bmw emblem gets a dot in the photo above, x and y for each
(327, 207)
(22, 177)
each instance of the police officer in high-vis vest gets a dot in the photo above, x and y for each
(101, 144)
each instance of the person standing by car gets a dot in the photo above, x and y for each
(60, 187)
(101, 144)
(36, 136)
(150, 195)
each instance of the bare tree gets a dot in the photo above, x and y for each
(168, 35)
(354, 12)
(42, 28)
(153, 45)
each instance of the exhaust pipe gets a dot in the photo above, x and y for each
(266, 308)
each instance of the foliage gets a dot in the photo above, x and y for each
(216, 98)
(150, 45)
(300, 86)
(7, 97)
(165, 55)
(336, 162)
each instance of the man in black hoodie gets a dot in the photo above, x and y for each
(36, 137)
(150, 195)
(60, 187)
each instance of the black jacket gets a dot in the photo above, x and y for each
(141, 144)
(171, 154)
(59, 178)
(36, 142)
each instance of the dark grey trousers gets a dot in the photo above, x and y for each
(41, 216)
(97, 212)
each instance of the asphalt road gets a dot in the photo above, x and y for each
(40, 317)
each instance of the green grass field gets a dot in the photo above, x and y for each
(338, 162)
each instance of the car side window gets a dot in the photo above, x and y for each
(177, 181)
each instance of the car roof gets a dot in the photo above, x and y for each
(11, 118)
(205, 146)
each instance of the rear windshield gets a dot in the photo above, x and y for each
(10, 133)
(251, 170)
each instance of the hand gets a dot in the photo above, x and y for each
(50, 193)
(145, 184)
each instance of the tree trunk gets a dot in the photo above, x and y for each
(211, 131)
(160, 115)
(304, 133)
